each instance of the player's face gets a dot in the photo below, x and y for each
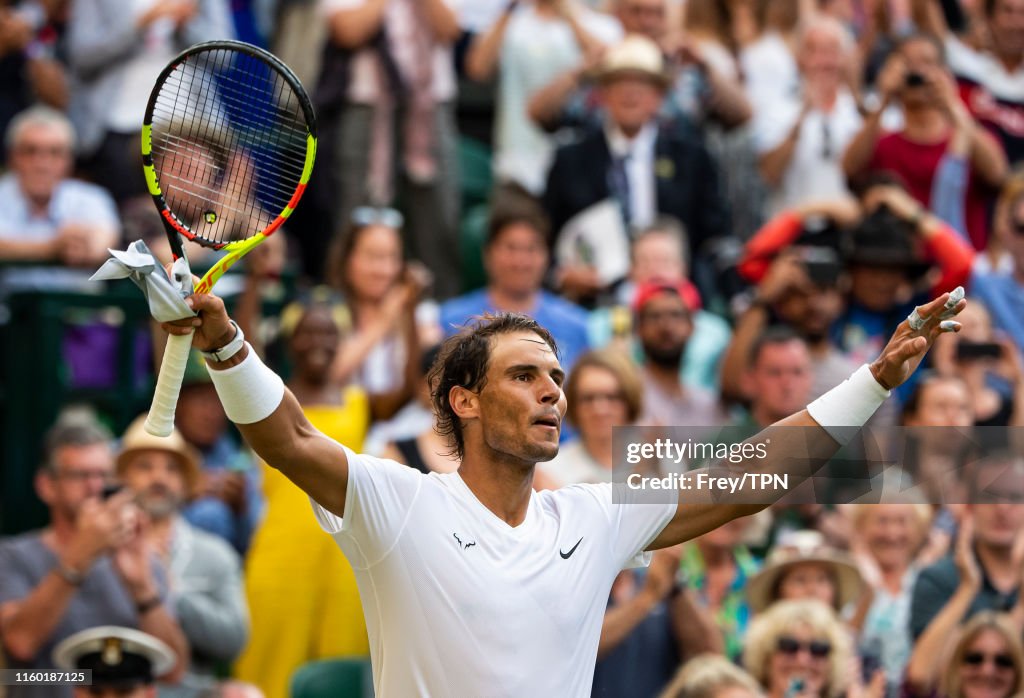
(631, 102)
(41, 159)
(781, 379)
(522, 403)
(158, 480)
(80, 474)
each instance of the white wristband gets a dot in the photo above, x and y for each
(249, 391)
(844, 409)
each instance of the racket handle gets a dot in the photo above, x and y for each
(160, 421)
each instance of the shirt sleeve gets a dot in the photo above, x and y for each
(14, 582)
(931, 591)
(379, 495)
(635, 519)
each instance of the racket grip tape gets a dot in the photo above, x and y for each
(160, 421)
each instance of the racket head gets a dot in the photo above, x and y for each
(228, 145)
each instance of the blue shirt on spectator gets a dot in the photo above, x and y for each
(566, 321)
(211, 514)
(72, 202)
(1003, 295)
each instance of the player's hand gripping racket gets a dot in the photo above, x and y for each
(228, 144)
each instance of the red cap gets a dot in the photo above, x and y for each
(684, 289)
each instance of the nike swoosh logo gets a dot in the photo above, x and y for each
(566, 556)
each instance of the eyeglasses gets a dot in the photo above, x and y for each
(590, 398)
(83, 475)
(817, 648)
(1003, 661)
(657, 316)
(370, 215)
(35, 150)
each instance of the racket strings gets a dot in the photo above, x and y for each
(229, 140)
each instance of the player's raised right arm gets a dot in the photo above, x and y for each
(266, 412)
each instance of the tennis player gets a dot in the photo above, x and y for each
(472, 583)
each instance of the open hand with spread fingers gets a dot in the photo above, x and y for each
(915, 335)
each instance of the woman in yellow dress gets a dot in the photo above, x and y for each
(302, 592)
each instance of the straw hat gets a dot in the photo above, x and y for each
(136, 439)
(797, 547)
(635, 56)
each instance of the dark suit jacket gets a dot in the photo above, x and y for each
(686, 183)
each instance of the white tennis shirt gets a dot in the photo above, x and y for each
(459, 603)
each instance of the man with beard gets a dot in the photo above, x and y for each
(91, 566)
(663, 325)
(205, 572)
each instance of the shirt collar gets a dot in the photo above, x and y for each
(620, 145)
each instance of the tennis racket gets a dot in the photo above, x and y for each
(228, 144)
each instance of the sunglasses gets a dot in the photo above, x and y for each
(817, 648)
(1003, 661)
(371, 215)
(1017, 227)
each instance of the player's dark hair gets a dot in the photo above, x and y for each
(463, 361)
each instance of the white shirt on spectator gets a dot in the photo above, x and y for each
(535, 51)
(769, 70)
(992, 93)
(574, 465)
(643, 202)
(140, 70)
(815, 171)
(477, 15)
(73, 202)
(364, 86)
(459, 603)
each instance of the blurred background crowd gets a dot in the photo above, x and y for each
(720, 208)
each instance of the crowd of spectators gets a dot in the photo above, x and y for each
(719, 208)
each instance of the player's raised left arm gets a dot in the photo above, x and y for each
(266, 412)
(826, 423)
